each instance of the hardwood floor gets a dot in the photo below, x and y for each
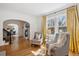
(23, 48)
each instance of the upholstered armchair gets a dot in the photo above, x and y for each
(38, 39)
(60, 46)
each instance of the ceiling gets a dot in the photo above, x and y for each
(34, 8)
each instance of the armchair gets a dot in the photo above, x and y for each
(60, 47)
(38, 38)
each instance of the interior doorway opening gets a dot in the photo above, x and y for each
(15, 31)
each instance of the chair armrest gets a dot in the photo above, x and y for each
(53, 46)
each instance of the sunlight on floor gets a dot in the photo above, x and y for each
(40, 52)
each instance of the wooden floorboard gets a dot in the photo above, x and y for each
(24, 49)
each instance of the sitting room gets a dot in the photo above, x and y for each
(39, 29)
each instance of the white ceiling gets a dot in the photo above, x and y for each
(34, 8)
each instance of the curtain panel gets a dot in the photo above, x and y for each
(44, 28)
(73, 28)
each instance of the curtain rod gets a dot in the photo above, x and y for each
(60, 10)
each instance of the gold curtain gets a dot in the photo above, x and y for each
(44, 28)
(72, 27)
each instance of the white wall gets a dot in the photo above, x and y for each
(35, 21)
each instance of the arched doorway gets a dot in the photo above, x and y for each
(14, 31)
